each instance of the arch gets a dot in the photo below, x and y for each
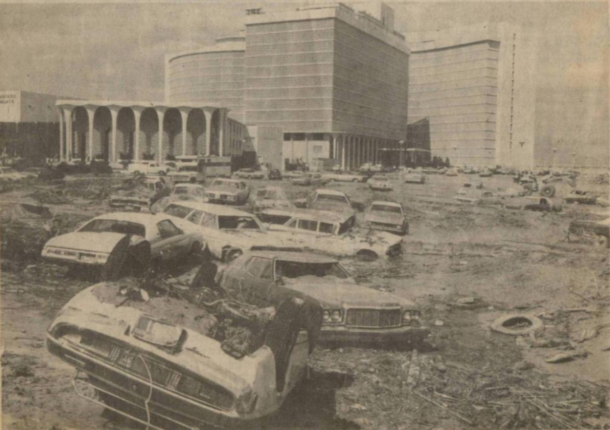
(149, 129)
(102, 126)
(196, 127)
(80, 131)
(215, 132)
(126, 127)
(172, 127)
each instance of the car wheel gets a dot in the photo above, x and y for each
(517, 324)
(547, 191)
(366, 255)
(232, 254)
(602, 242)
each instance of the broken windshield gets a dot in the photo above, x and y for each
(298, 269)
(237, 223)
(114, 226)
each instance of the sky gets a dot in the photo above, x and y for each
(115, 50)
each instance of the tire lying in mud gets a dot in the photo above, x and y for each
(366, 255)
(517, 324)
(547, 191)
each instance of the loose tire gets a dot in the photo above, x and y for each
(507, 323)
(232, 254)
(366, 255)
(547, 191)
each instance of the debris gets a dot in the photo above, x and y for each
(566, 356)
(467, 421)
(439, 323)
(523, 365)
(517, 324)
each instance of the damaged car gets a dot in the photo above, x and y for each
(269, 198)
(352, 312)
(112, 241)
(228, 232)
(386, 216)
(228, 191)
(186, 360)
(326, 200)
(598, 230)
(138, 196)
(332, 233)
(380, 183)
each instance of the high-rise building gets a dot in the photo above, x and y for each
(475, 87)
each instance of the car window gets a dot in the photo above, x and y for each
(326, 228)
(386, 208)
(344, 228)
(167, 229)
(177, 211)
(114, 226)
(297, 269)
(208, 220)
(195, 217)
(292, 223)
(305, 224)
(237, 223)
(242, 186)
(181, 190)
(261, 268)
(332, 197)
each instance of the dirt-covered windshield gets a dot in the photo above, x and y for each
(267, 194)
(223, 183)
(298, 269)
(177, 211)
(114, 226)
(386, 208)
(237, 223)
(331, 198)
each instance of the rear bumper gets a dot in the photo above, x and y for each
(401, 336)
(71, 262)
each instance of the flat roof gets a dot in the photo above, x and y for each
(142, 104)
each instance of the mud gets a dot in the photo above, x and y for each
(465, 376)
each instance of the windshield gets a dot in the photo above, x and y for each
(297, 269)
(223, 183)
(386, 208)
(195, 191)
(177, 211)
(114, 226)
(380, 178)
(332, 198)
(237, 223)
(187, 169)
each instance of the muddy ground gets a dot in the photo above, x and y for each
(466, 376)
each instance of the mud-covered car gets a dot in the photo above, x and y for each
(109, 240)
(380, 183)
(175, 362)
(269, 198)
(344, 177)
(228, 191)
(452, 171)
(150, 167)
(332, 233)
(10, 174)
(352, 312)
(413, 178)
(138, 197)
(188, 192)
(580, 197)
(486, 173)
(309, 179)
(599, 230)
(249, 174)
(185, 172)
(386, 216)
(228, 232)
(326, 200)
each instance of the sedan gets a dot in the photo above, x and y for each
(116, 239)
(387, 216)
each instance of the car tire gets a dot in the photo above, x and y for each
(366, 255)
(505, 324)
(232, 254)
(547, 191)
(602, 241)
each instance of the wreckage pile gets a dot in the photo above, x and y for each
(394, 385)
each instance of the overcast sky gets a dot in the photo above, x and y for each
(116, 50)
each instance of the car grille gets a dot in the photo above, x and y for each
(373, 318)
(385, 225)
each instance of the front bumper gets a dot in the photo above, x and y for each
(400, 336)
(73, 260)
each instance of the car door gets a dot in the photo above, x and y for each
(172, 242)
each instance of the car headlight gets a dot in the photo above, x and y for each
(332, 316)
(411, 316)
(246, 402)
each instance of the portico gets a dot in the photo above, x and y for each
(132, 131)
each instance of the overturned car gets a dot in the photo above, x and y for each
(186, 360)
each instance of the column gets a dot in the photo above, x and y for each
(184, 114)
(160, 116)
(343, 152)
(61, 136)
(221, 134)
(137, 113)
(69, 135)
(114, 113)
(307, 149)
(91, 115)
(207, 112)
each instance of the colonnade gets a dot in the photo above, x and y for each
(67, 125)
(353, 151)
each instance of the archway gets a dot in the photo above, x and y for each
(102, 126)
(149, 127)
(195, 126)
(80, 131)
(172, 125)
(126, 126)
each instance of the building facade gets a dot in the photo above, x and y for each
(475, 87)
(29, 126)
(114, 130)
(335, 80)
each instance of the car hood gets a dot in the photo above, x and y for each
(331, 206)
(268, 204)
(334, 292)
(223, 190)
(384, 217)
(87, 241)
(200, 354)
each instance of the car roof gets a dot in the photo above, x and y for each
(300, 257)
(189, 185)
(386, 203)
(315, 215)
(142, 218)
(226, 180)
(212, 208)
(329, 191)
